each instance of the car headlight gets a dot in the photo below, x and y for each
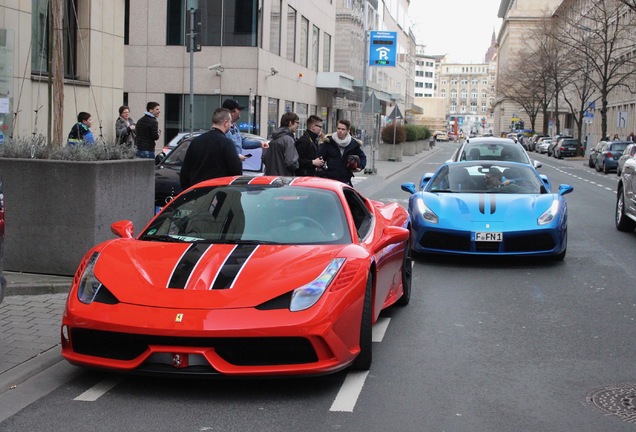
(549, 215)
(306, 296)
(426, 212)
(89, 285)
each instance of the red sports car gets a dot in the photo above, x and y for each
(242, 276)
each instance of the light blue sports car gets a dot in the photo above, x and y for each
(488, 208)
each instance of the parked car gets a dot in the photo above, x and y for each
(628, 153)
(593, 152)
(607, 158)
(175, 141)
(535, 141)
(567, 147)
(556, 141)
(167, 170)
(242, 277)
(457, 211)
(625, 214)
(490, 148)
(543, 144)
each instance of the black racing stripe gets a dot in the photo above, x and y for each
(183, 269)
(242, 180)
(482, 203)
(493, 204)
(232, 266)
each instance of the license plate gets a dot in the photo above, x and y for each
(572, 148)
(488, 236)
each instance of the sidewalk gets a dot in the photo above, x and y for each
(31, 312)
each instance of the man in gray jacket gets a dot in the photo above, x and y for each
(281, 158)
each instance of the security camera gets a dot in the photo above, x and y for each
(217, 66)
(274, 71)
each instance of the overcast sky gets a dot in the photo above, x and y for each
(460, 28)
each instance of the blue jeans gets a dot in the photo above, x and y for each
(145, 154)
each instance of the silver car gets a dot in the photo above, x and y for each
(491, 148)
(629, 153)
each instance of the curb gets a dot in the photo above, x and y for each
(29, 368)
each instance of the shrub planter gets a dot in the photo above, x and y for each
(57, 210)
(408, 148)
(390, 152)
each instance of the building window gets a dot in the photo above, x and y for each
(272, 115)
(289, 106)
(429, 64)
(443, 82)
(464, 94)
(315, 40)
(473, 94)
(483, 107)
(428, 85)
(453, 94)
(453, 108)
(304, 41)
(473, 107)
(326, 52)
(418, 95)
(453, 81)
(224, 23)
(40, 23)
(464, 81)
(419, 85)
(302, 112)
(126, 22)
(176, 112)
(429, 74)
(443, 94)
(274, 27)
(291, 33)
(419, 73)
(475, 81)
(483, 94)
(484, 81)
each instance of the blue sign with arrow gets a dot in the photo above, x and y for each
(382, 48)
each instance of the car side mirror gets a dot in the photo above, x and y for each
(536, 164)
(393, 235)
(565, 189)
(408, 187)
(159, 158)
(123, 228)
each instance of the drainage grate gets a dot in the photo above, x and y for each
(618, 400)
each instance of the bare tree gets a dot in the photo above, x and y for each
(603, 35)
(521, 84)
(630, 4)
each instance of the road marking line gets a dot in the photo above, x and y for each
(99, 389)
(379, 329)
(349, 392)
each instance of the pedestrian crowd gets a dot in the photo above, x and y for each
(219, 151)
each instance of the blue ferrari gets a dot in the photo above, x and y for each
(488, 208)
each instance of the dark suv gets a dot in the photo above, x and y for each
(566, 147)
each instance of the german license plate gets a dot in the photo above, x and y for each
(571, 148)
(488, 236)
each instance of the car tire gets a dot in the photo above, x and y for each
(364, 358)
(597, 168)
(407, 275)
(618, 171)
(605, 169)
(623, 223)
(591, 163)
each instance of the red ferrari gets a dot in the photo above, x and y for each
(242, 276)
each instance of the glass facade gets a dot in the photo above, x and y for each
(275, 27)
(291, 33)
(224, 22)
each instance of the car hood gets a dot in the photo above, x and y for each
(167, 183)
(464, 210)
(207, 276)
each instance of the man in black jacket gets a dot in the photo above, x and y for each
(148, 131)
(211, 154)
(342, 154)
(307, 147)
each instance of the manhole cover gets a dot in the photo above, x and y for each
(618, 400)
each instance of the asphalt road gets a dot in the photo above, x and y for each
(485, 345)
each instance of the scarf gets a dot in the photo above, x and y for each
(342, 143)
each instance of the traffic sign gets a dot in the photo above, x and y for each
(383, 48)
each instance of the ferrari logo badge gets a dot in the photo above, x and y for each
(179, 318)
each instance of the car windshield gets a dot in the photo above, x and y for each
(495, 151)
(248, 213)
(474, 178)
(619, 146)
(176, 156)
